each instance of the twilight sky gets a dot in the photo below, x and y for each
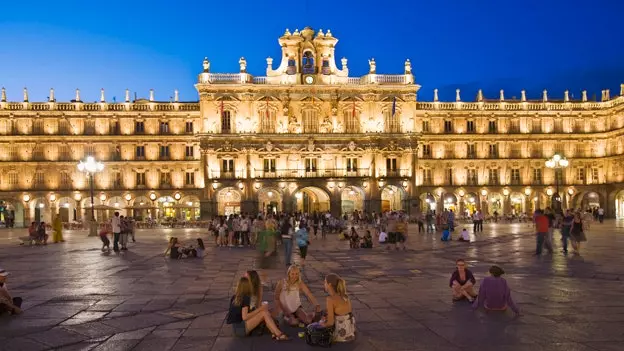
(139, 44)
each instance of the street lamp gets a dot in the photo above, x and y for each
(557, 163)
(90, 167)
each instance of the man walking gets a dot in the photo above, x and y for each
(116, 227)
(542, 226)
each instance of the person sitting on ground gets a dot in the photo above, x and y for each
(367, 241)
(383, 237)
(462, 282)
(339, 310)
(8, 304)
(174, 249)
(288, 299)
(243, 320)
(200, 250)
(354, 239)
(464, 235)
(494, 293)
(42, 237)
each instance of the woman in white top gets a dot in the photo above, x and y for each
(288, 299)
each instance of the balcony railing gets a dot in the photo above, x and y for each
(303, 173)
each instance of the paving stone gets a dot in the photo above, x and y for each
(57, 337)
(21, 344)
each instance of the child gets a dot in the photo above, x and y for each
(104, 237)
(464, 236)
(446, 234)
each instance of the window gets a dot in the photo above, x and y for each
(307, 63)
(493, 176)
(391, 121)
(580, 175)
(190, 151)
(13, 179)
(492, 127)
(292, 66)
(426, 151)
(140, 179)
(470, 127)
(310, 121)
(471, 177)
(139, 127)
(164, 127)
(165, 178)
(471, 151)
(448, 126)
(38, 126)
(595, 176)
(537, 176)
(226, 122)
(493, 150)
(38, 154)
(427, 177)
(164, 152)
(425, 126)
(117, 181)
(351, 164)
(352, 121)
(391, 166)
(325, 67)
(65, 180)
(190, 178)
(114, 128)
(64, 127)
(13, 153)
(515, 177)
(89, 150)
(310, 165)
(448, 176)
(227, 165)
(269, 165)
(188, 127)
(116, 153)
(140, 152)
(268, 121)
(39, 179)
(89, 127)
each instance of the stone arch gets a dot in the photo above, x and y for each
(67, 209)
(189, 208)
(517, 203)
(495, 203)
(618, 200)
(471, 203)
(588, 199)
(270, 200)
(450, 202)
(311, 199)
(141, 201)
(11, 213)
(428, 201)
(393, 198)
(352, 199)
(229, 201)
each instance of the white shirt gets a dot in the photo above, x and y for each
(116, 224)
(465, 235)
(383, 237)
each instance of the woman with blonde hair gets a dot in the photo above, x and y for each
(288, 299)
(339, 310)
(243, 320)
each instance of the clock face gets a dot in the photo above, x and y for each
(309, 79)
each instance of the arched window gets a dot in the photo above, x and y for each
(325, 67)
(292, 66)
(308, 63)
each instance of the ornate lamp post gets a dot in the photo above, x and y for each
(557, 163)
(90, 167)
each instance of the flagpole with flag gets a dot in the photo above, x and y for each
(222, 126)
(393, 122)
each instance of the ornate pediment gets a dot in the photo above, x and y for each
(270, 147)
(352, 147)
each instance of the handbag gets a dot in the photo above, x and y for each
(316, 335)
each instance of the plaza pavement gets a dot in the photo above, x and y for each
(78, 298)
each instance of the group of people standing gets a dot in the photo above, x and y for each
(570, 224)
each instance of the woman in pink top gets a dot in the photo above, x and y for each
(494, 293)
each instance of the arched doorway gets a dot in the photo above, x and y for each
(450, 202)
(269, 200)
(391, 198)
(67, 209)
(86, 208)
(228, 201)
(311, 199)
(352, 199)
(11, 213)
(495, 204)
(189, 208)
(40, 210)
(517, 203)
(619, 204)
(166, 207)
(142, 208)
(428, 202)
(590, 200)
(118, 203)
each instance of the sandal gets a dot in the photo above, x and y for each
(280, 337)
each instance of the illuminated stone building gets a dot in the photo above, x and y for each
(307, 136)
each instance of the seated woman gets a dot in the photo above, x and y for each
(174, 249)
(256, 289)
(462, 282)
(464, 236)
(354, 239)
(197, 252)
(243, 320)
(339, 310)
(288, 300)
(494, 293)
(367, 241)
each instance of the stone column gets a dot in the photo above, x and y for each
(373, 202)
(26, 216)
(506, 205)
(78, 212)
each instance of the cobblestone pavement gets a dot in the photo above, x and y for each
(78, 298)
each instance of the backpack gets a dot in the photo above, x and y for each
(318, 336)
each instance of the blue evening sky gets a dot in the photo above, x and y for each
(466, 44)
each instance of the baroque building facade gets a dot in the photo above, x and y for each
(308, 137)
